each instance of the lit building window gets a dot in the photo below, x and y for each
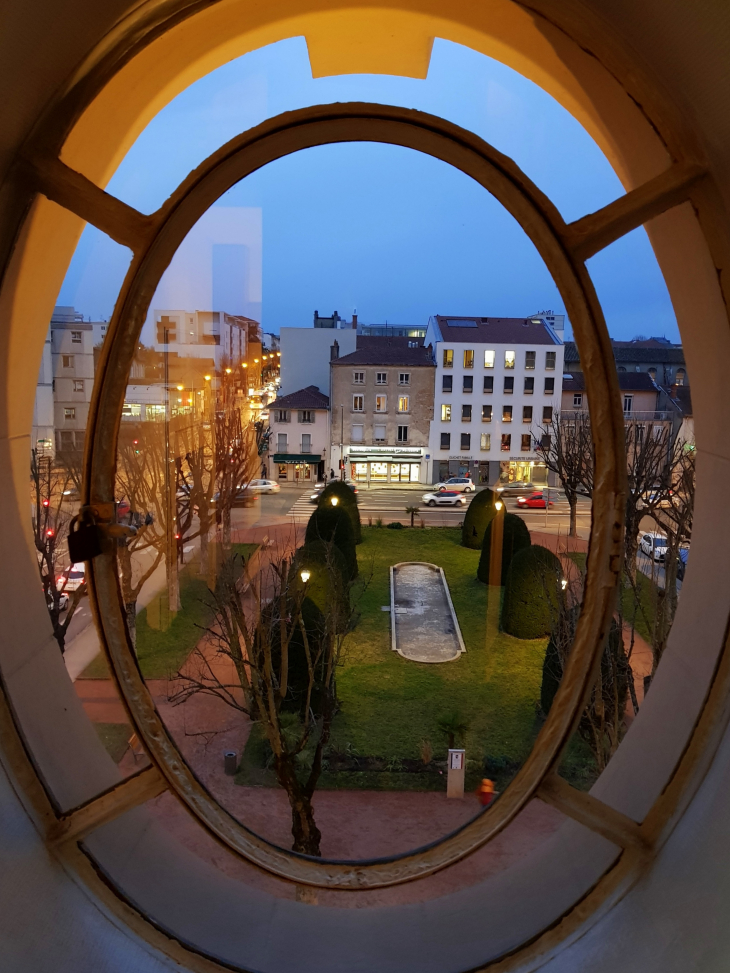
(468, 358)
(489, 359)
(381, 403)
(404, 403)
(446, 412)
(506, 413)
(448, 357)
(506, 443)
(358, 403)
(509, 359)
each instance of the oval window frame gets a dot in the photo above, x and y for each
(158, 238)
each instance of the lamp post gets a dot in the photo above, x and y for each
(494, 588)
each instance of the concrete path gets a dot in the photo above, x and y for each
(424, 626)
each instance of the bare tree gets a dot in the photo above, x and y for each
(141, 480)
(51, 517)
(567, 448)
(649, 450)
(196, 483)
(236, 464)
(273, 655)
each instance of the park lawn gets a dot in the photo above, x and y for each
(162, 649)
(115, 738)
(390, 705)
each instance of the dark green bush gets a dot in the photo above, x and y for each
(395, 525)
(327, 586)
(334, 524)
(532, 594)
(345, 499)
(478, 515)
(515, 537)
(298, 668)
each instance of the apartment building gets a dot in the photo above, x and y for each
(497, 381)
(299, 439)
(72, 355)
(657, 357)
(382, 407)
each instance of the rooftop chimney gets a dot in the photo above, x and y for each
(334, 350)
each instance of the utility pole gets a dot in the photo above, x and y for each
(342, 443)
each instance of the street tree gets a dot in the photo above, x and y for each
(51, 515)
(567, 448)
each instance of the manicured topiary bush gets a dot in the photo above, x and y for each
(515, 537)
(346, 499)
(614, 682)
(478, 515)
(327, 584)
(532, 593)
(334, 524)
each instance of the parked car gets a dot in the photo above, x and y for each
(457, 484)
(518, 488)
(321, 487)
(264, 486)
(654, 545)
(534, 500)
(73, 578)
(654, 498)
(62, 601)
(449, 497)
(682, 562)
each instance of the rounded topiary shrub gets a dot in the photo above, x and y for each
(345, 499)
(298, 667)
(334, 524)
(327, 583)
(532, 593)
(614, 666)
(515, 537)
(478, 515)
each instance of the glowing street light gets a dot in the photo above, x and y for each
(228, 371)
(179, 388)
(334, 501)
(245, 364)
(564, 583)
(256, 360)
(305, 576)
(206, 377)
(498, 505)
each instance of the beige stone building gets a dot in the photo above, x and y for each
(382, 407)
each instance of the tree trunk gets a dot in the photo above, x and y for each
(204, 549)
(573, 504)
(226, 529)
(306, 834)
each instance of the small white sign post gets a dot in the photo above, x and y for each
(455, 773)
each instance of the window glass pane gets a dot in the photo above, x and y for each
(468, 358)
(486, 413)
(507, 413)
(468, 385)
(509, 359)
(448, 357)
(466, 412)
(486, 441)
(445, 412)
(489, 359)
(527, 413)
(550, 357)
(447, 383)
(530, 359)
(488, 383)
(445, 440)
(529, 386)
(549, 386)
(509, 385)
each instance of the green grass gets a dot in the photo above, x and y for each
(162, 650)
(115, 738)
(390, 704)
(637, 607)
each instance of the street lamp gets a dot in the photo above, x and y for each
(334, 501)
(305, 576)
(206, 377)
(498, 505)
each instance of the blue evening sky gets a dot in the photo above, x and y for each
(388, 231)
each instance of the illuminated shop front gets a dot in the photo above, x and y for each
(522, 469)
(387, 464)
(295, 467)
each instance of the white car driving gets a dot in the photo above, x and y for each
(264, 486)
(458, 484)
(444, 497)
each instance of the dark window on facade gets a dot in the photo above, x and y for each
(509, 385)
(550, 357)
(547, 413)
(527, 413)
(489, 383)
(466, 441)
(530, 359)
(486, 413)
(549, 386)
(306, 415)
(282, 415)
(447, 383)
(466, 413)
(468, 385)
(529, 385)
(402, 434)
(445, 440)
(526, 443)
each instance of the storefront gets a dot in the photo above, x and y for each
(521, 469)
(297, 468)
(385, 465)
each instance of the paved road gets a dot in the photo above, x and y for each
(389, 504)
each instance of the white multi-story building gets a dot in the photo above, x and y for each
(299, 437)
(497, 381)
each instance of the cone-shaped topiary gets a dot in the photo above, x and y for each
(333, 524)
(515, 536)
(532, 594)
(478, 515)
(346, 499)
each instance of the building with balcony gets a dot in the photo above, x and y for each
(657, 357)
(382, 407)
(497, 382)
(299, 439)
